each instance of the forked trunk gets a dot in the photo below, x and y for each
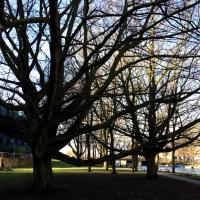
(42, 174)
(151, 166)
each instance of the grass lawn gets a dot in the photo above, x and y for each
(58, 168)
(64, 168)
(75, 183)
(101, 186)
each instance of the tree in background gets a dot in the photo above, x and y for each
(77, 146)
(171, 86)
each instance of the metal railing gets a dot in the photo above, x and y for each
(14, 155)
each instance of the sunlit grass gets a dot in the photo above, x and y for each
(17, 173)
(58, 168)
(85, 170)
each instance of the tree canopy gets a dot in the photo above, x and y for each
(62, 60)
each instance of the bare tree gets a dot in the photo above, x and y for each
(53, 52)
(173, 94)
(77, 146)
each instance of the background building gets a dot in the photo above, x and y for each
(11, 145)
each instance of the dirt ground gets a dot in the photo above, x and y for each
(105, 187)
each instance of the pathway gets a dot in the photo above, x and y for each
(189, 180)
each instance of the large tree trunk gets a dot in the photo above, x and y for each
(134, 157)
(173, 161)
(134, 163)
(114, 171)
(152, 167)
(42, 174)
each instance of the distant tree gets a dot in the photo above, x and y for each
(77, 146)
(171, 119)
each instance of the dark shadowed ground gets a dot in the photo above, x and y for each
(105, 187)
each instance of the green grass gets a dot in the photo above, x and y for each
(27, 173)
(55, 164)
(60, 164)
(59, 167)
(15, 174)
(85, 170)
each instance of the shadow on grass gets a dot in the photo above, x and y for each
(104, 186)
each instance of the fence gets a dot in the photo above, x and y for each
(11, 160)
